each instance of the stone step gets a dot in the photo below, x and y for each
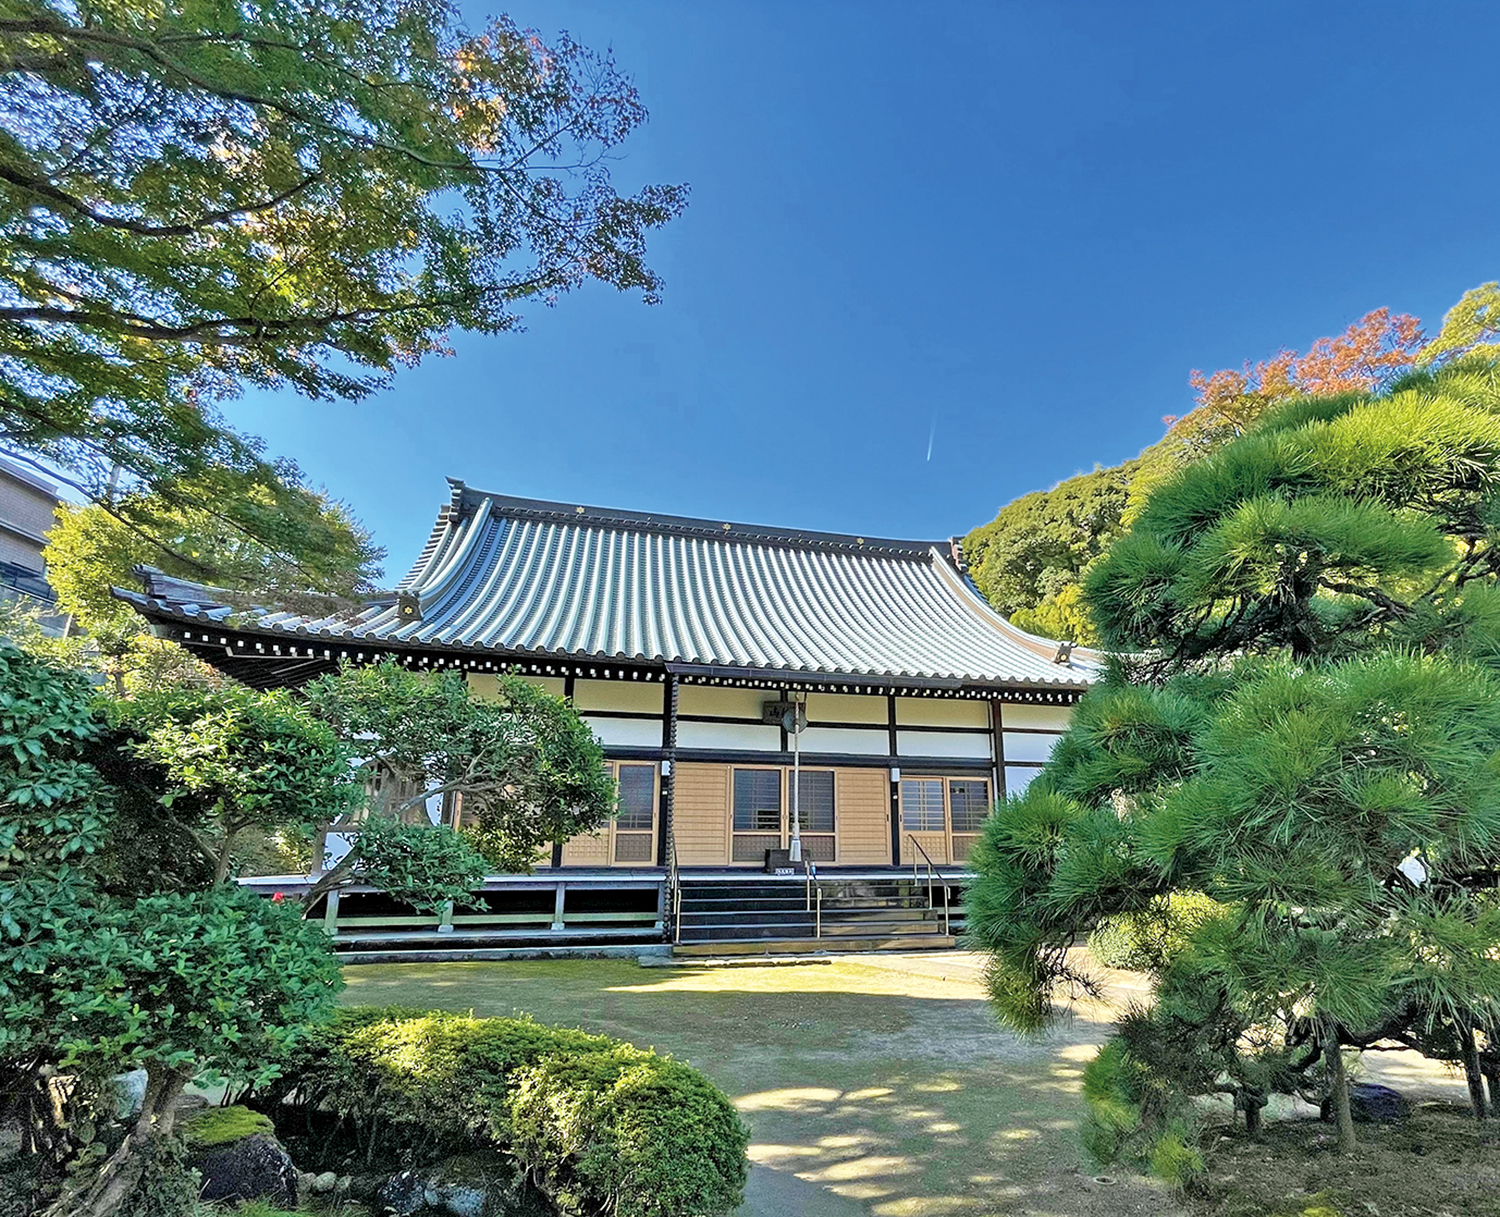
(814, 946)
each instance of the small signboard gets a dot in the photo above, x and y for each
(784, 714)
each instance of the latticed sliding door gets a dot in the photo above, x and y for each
(923, 817)
(635, 825)
(815, 815)
(944, 815)
(968, 804)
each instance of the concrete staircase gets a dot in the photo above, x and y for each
(755, 914)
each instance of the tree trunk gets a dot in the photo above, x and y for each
(1473, 1072)
(1338, 1079)
(1490, 1067)
(109, 1188)
(1253, 1104)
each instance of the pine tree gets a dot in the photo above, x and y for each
(1304, 729)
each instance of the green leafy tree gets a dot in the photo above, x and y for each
(89, 550)
(1468, 328)
(121, 943)
(1027, 560)
(527, 768)
(1305, 732)
(1030, 559)
(229, 760)
(199, 197)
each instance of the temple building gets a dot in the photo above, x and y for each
(682, 642)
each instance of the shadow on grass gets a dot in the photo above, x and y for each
(866, 1090)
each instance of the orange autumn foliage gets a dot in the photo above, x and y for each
(1367, 355)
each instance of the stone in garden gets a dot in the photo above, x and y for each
(402, 1195)
(469, 1185)
(255, 1168)
(1370, 1103)
(324, 1183)
(237, 1153)
(130, 1093)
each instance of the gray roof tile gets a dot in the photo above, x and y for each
(525, 577)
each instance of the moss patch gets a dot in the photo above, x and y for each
(223, 1126)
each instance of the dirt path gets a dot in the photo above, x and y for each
(872, 1085)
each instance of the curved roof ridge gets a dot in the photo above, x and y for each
(467, 499)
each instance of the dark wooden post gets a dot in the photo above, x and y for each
(997, 728)
(890, 705)
(669, 756)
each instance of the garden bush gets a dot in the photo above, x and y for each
(630, 1133)
(1146, 941)
(601, 1126)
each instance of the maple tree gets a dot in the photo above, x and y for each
(195, 198)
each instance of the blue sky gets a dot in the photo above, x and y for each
(1011, 229)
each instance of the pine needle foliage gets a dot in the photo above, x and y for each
(1302, 729)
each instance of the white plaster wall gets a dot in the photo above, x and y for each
(1023, 747)
(1043, 718)
(728, 735)
(846, 708)
(934, 712)
(845, 739)
(1016, 780)
(723, 703)
(942, 743)
(626, 732)
(640, 697)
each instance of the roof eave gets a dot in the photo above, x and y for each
(161, 614)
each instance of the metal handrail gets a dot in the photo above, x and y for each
(674, 889)
(932, 869)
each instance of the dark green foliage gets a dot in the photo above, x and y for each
(1147, 940)
(219, 980)
(230, 759)
(1291, 816)
(602, 1126)
(1325, 529)
(1127, 738)
(425, 866)
(424, 1083)
(529, 769)
(120, 942)
(1138, 1117)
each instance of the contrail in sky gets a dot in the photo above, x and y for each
(931, 435)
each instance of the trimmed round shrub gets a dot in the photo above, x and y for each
(602, 1127)
(1148, 940)
(421, 1084)
(629, 1133)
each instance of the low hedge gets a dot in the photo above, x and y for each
(1146, 941)
(601, 1126)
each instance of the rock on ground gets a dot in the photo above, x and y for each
(469, 1185)
(1372, 1104)
(256, 1168)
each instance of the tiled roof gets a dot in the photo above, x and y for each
(519, 577)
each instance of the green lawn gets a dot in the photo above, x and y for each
(870, 1087)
